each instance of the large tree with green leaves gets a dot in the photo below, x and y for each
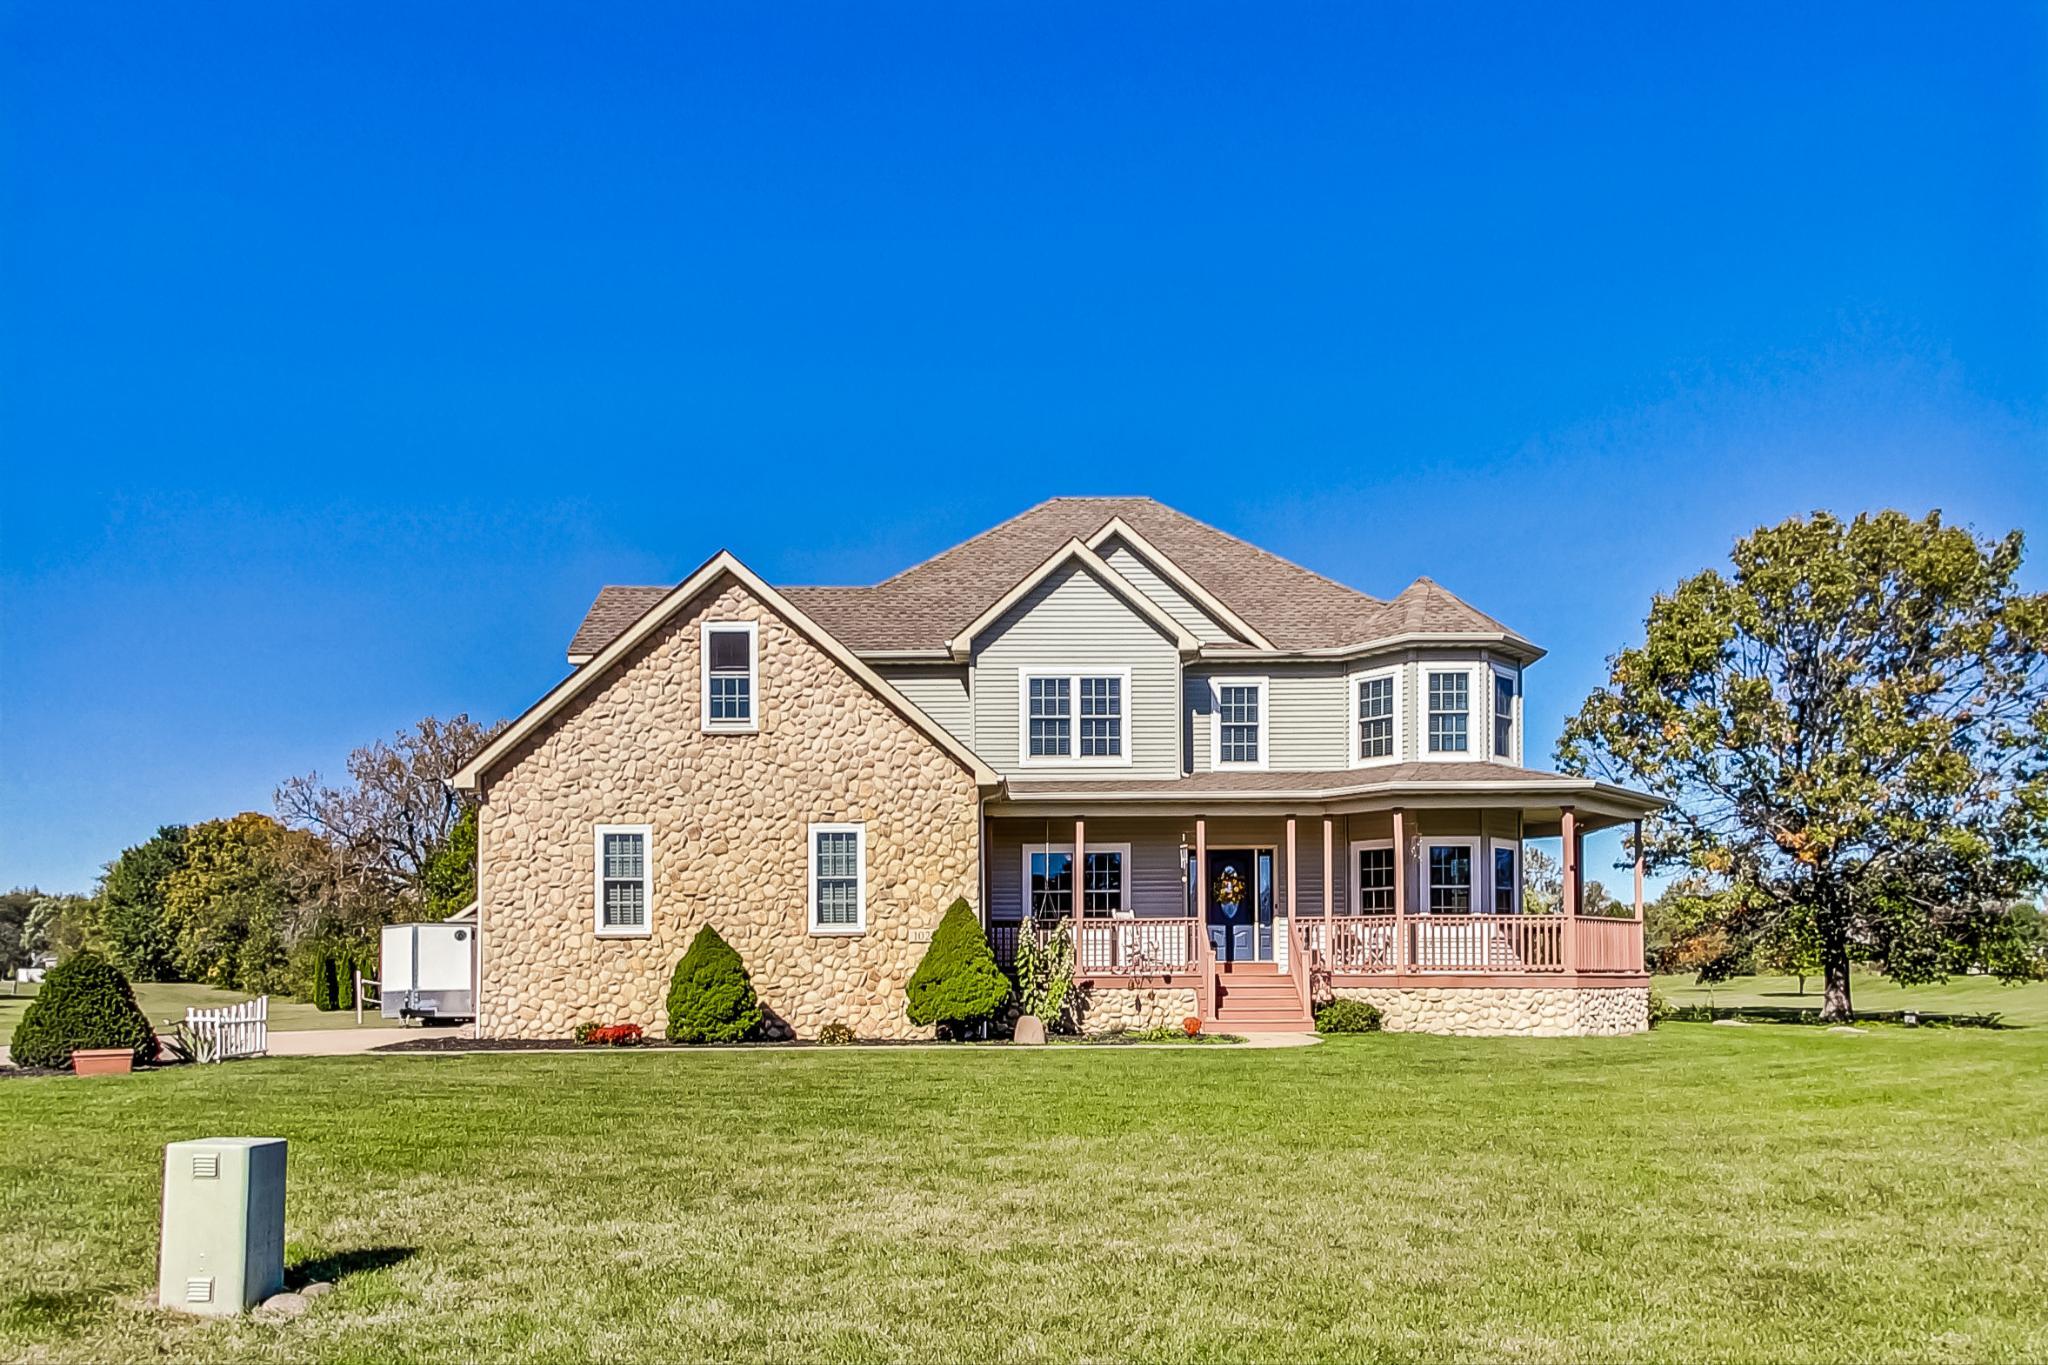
(136, 937)
(1852, 726)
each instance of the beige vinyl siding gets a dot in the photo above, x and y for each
(939, 690)
(1073, 621)
(1192, 618)
(1307, 715)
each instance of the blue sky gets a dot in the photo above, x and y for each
(345, 349)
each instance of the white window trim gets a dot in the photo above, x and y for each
(1482, 870)
(1351, 682)
(1024, 883)
(753, 720)
(1478, 712)
(1514, 753)
(1494, 846)
(645, 930)
(860, 894)
(1217, 682)
(1351, 887)
(1073, 675)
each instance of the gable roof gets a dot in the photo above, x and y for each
(1074, 552)
(673, 601)
(1276, 603)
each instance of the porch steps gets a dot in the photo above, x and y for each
(1258, 1003)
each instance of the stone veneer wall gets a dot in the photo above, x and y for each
(1108, 1008)
(730, 841)
(1490, 1011)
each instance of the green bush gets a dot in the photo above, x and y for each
(958, 983)
(836, 1035)
(83, 1003)
(1660, 1008)
(710, 999)
(326, 979)
(1348, 1016)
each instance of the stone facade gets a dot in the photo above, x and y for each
(1109, 1008)
(1500, 1011)
(730, 840)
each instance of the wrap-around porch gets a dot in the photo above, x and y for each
(1255, 912)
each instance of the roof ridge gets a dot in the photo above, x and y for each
(961, 545)
(1262, 550)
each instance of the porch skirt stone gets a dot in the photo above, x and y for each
(1504, 1011)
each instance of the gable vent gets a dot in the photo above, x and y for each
(206, 1165)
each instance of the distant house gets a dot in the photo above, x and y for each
(1245, 783)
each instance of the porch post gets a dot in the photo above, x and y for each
(1203, 1004)
(1639, 868)
(1568, 892)
(1400, 891)
(1329, 886)
(1293, 903)
(1079, 874)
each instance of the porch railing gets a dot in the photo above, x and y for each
(1358, 945)
(1116, 947)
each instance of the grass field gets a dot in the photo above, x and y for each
(2015, 1005)
(166, 1001)
(1770, 1193)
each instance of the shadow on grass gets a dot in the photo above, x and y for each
(1792, 1014)
(43, 1312)
(338, 1266)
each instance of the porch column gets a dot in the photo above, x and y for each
(1293, 902)
(1203, 1004)
(1400, 890)
(1079, 874)
(1568, 891)
(1639, 868)
(1329, 886)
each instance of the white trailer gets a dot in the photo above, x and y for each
(428, 971)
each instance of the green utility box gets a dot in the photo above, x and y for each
(223, 1242)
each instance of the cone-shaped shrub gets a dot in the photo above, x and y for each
(326, 980)
(710, 999)
(83, 1003)
(958, 983)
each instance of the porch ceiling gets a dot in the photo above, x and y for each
(1540, 797)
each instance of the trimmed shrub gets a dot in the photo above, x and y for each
(710, 998)
(83, 1003)
(958, 983)
(1348, 1016)
(836, 1035)
(1660, 1008)
(326, 980)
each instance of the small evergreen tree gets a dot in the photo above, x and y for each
(710, 997)
(83, 1003)
(958, 983)
(326, 980)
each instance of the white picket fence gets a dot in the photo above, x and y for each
(231, 1030)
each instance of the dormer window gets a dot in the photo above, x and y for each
(1238, 736)
(1450, 712)
(731, 663)
(1075, 717)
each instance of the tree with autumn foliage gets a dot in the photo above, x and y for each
(1852, 729)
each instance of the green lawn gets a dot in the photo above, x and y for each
(2020, 1005)
(1770, 1193)
(164, 1002)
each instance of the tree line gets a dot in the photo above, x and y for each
(256, 902)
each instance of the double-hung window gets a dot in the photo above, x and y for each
(1450, 879)
(1239, 735)
(1504, 880)
(1070, 717)
(839, 879)
(1375, 879)
(1450, 712)
(731, 660)
(1372, 704)
(625, 876)
(1049, 881)
(1503, 716)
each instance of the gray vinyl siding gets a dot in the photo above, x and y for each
(1153, 887)
(1307, 715)
(940, 691)
(1072, 620)
(1197, 622)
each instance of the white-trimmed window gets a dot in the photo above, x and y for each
(1048, 885)
(732, 675)
(1452, 868)
(1074, 716)
(1372, 862)
(839, 879)
(1507, 879)
(1238, 732)
(625, 880)
(1450, 710)
(1376, 716)
(1503, 714)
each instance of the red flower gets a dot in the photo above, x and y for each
(615, 1035)
(1191, 1026)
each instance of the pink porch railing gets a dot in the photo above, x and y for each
(1117, 947)
(1473, 944)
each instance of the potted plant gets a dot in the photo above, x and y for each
(102, 1061)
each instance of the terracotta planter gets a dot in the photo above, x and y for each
(103, 1061)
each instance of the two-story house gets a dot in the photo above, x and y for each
(1240, 783)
